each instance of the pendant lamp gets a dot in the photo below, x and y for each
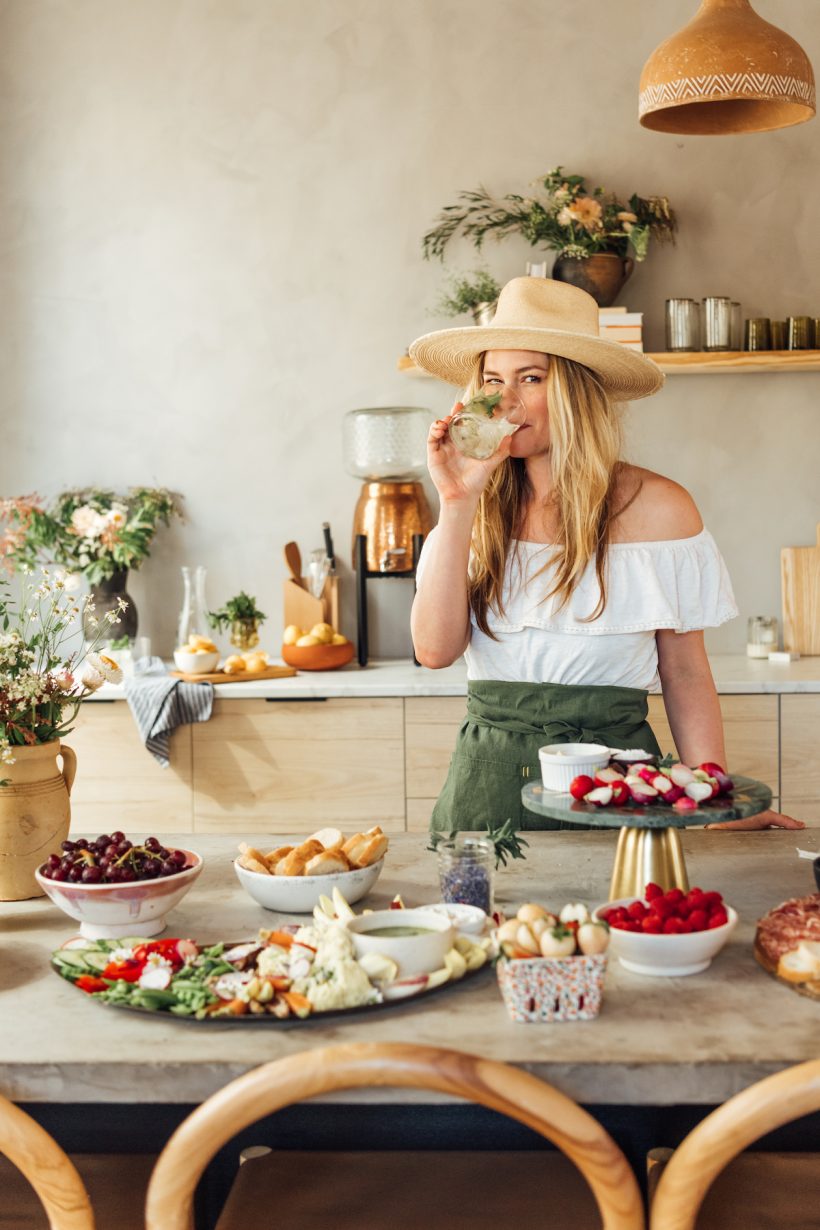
(727, 71)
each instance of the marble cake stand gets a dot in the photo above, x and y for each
(649, 846)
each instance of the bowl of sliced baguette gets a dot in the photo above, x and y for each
(292, 878)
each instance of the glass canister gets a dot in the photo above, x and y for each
(193, 619)
(386, 442)
(466, 868)
(761, 636)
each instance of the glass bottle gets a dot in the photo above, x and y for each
(466, 866)
(193, 620)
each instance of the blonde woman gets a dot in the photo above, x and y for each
(573, 583)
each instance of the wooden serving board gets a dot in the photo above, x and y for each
(270, 672)
(800, 585)
(810, 989)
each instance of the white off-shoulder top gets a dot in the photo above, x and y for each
(680, 583)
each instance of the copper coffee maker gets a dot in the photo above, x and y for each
(387, 447)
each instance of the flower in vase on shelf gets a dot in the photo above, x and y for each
(46, 671)
(243, 617)
(92, 531)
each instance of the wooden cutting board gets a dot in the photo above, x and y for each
(800, 587)
(270, 672)
(810, 989)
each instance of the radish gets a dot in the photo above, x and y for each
(724, 781)
(699, 791)
(681, 775)
(601, 796)
(667, 790)
(620, 794)
(684, 803)
(580, 786)
(648, 773)
(607, 777)
(642, 792)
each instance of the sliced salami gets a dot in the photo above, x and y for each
(786, 925)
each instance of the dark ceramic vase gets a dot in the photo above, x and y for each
(105, 596)
(601, 275)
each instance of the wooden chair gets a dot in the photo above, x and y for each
(303, 1190)
(753, 1191)
(42, 1188)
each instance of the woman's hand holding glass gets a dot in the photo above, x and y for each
(465, 448)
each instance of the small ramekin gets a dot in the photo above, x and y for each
(561, 762)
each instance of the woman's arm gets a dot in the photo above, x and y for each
(693, 710)
(440, 619)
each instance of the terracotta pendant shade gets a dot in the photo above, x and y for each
(728, 71)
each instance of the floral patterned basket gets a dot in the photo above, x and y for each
(552, 988)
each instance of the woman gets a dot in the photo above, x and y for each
(573, 583)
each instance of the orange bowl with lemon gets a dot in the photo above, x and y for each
(320, 648)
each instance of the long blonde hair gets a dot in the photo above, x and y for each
(584, 451)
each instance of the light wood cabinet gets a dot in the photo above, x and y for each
(118, 784)
(800, 756)
(750, 727)
(431, 724)
(294, 766)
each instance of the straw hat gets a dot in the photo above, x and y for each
(547, 316)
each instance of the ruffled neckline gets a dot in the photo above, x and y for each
(652, 542)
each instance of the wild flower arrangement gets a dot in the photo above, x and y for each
(43, 680)
(92, 531)
(564, 216)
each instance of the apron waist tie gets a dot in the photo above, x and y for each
(554, 730)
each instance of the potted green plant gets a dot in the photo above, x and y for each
(91, 532)
(596, 236)
(243, 617)
(475, 293)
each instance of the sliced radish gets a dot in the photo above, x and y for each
(601, 796)
(620, 794)
(681, 775)
(606, 777)
(699, 791)
(642, 792)
(648, 773)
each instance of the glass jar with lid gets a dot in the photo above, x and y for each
(386, 443)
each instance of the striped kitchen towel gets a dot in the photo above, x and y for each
(160, 704)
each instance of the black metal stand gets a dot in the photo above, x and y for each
(365, 574)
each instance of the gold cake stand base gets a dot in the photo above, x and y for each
(645, 856)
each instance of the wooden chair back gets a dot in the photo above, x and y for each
(392, 1065)
(38, 1156)
(725, 1133)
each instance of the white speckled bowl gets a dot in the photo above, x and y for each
(666, 956)
(113, 911)
(299, 894)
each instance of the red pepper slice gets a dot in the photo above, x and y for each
(124, 971)
(90, 983)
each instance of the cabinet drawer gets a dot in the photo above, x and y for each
(118, 784)
(750, 726)
(800, 756)
(431, 724)
(291, 767)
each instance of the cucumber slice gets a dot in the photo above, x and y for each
(77, 960)
(97, 960)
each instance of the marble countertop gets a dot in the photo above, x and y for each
(657, 1041)
(733, 673)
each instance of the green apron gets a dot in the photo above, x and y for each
(496, 752)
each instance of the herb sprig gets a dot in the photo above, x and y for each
(505, 840)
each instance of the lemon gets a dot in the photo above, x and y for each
(338, 639)
(291, 634)
(323, 633)
(305, 641)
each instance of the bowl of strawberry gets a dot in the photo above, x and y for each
(668, 934)
(115, 887)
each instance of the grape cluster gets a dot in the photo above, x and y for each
(112, 859)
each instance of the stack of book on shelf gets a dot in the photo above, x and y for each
(616, 324)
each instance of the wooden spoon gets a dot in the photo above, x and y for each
(293, 559)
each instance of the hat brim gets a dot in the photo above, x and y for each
(451, 355)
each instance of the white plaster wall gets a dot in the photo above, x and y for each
(210, 223)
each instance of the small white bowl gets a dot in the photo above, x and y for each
(196, 663)
(299, 894)
(561, 762)
(467, 918)
(113, 911)
(666, 956)
(414, 954)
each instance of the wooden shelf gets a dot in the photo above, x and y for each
(703, 363)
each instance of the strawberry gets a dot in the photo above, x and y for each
(698, 920)
(718, 919)
(684, 926)
(662, 907)
(671, 926)
(652, 924)
(674, 895)
(637, 910)
(652, 890)
(710, 900)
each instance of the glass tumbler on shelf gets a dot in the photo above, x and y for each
(798, 332)
(478, 428)
(193, 620)
(682, 324)
(736, 327)
(717, 323)
(466, 867)
(761, 637)
(758, 333)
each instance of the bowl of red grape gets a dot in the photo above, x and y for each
(115, 887)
